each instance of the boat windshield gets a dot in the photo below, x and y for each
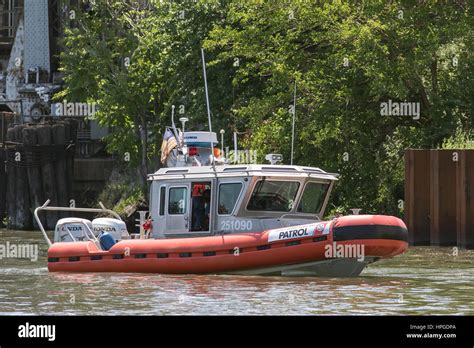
(273, 195)
(313, 198)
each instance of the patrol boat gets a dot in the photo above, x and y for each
(205, 217)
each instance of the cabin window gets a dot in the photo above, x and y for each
(273, 195)
(228, 195)
(178, 201)
(162, 200)
(313, 198)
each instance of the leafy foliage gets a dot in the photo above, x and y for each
(460, 140)
(346, 59)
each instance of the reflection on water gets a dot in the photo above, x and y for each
(422, 281)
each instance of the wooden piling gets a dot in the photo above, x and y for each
(11, 188)
(67, 154)
(30, 141)
(73, 127)
(3, 174)
(47, 171)
(3, 187)
(59, 139)
(40, 166)
(22, 202)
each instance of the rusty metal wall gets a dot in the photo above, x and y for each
(439, 193)
(465, 199)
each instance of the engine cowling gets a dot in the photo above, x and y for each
(115, 227)
(71, 226)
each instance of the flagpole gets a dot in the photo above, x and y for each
(208, 108)
(175, 131)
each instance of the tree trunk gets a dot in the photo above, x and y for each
(144, 142)
(142, 131)
(434, 75)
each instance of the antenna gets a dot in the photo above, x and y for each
(222, 140)
(236, 151)
(208, 108)
(183, 121)
(293, 130)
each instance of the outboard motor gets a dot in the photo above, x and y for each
(115, 227)
(76, 227)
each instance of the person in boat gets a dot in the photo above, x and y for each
(198, 207)
(206, 196)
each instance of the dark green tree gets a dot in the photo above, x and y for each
(347, 59)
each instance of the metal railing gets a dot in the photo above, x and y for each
(45, 207)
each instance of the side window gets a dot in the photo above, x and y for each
(313, 198)
(162, 200)
(228, 195)
(178, 200)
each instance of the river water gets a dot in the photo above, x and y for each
(424, 280)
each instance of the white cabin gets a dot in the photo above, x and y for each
(203, 201)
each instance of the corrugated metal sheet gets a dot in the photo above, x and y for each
(36, 35)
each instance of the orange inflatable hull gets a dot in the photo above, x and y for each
(381, 236)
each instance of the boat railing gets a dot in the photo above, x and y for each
(300, 216)
(46, 207)
(185, 172)
(88, 234)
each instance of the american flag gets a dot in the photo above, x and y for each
(168, 144)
